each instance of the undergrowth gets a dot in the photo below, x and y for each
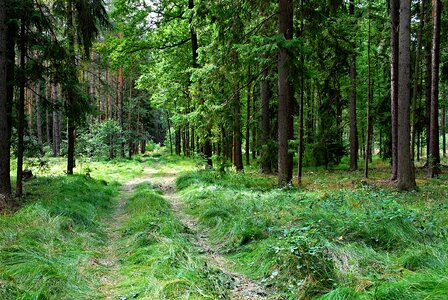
(350, 240)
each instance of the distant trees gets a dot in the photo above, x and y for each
(200, 73)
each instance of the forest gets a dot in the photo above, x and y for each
(228, 149)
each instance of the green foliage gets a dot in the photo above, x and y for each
(102, 139)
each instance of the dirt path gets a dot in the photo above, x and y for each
(241, 287)
(109, 263)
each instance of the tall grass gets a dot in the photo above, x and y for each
(158, 261)
(335, 241)
(46, 246)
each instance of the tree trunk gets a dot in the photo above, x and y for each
(394, 57)
(130, 141)
(5, 179)
(38, 113)
(284, 90)
(406, 176)
(71, 122)
(169, 131)
(444, 130)
(29, 98)
(254, 128)
(71, 135)
(21, 110)
(265, 93)
(120, 92)
(47, 115)
(353, 117)
(369, 104)
(248, 117)
(434, 152)
(428, 41)
(416, 76)
(237, 151)
(302, 96)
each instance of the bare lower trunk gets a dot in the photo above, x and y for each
(284, 91)
(38, 113)
(5, 180)
(248, 117)
(353, 118)
(434, 156)
(238, 154)
(406, 176)
(265, 92)
(428, 76)
(71, 147)
(394, 57)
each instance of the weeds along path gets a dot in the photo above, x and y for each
(241, 287)
(109, 263)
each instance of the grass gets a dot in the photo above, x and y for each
(47, 246)
(338, 237)
(157, 259)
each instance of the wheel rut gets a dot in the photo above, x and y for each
(109, 262)
(241, 287)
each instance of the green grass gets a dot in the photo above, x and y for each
(338, 237)
(158, 261)
(46, 246)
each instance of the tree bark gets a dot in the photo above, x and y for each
(237, 145)
(302, 101)
(444, 130)
(394, 57)
(434, 154)
(38, 113)
(5, 179)
(21, 110)
(265, 93)
(428, 77)
(284, 90)
(248, 117)
(71, 136)
(416, 76)
(406, 176)
(369, 104)
(120, 92)
(353, 118)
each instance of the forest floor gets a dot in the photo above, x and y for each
(164, 227)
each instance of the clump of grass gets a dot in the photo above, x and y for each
(45, 247)
(158, 261)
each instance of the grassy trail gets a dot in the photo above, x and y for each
(241, 287)
(110, 260)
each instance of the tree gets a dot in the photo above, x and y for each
(284, 91)
(90, 15)
(5, 180)
(434, 156)
(406, 176)
(394, 52)
(353, 119)
(21, 107)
